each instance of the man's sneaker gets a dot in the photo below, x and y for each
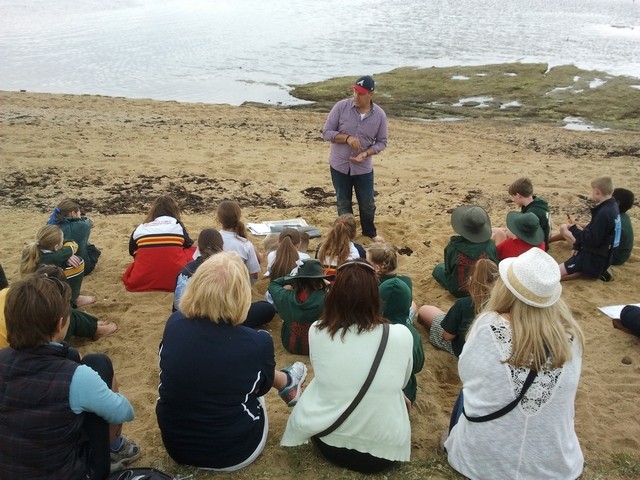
(291, 393)
(127, 453)
(607, 276)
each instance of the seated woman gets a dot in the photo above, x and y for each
(76, 228)
(448, 330)
(377, 433)
(299, 298)
(210, 242)
(60, 413)
(160, 248)
(215, 371)
(525, 336)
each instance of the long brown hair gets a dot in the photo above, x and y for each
(286, 253)
(229, 214)
(336, 246)
(210, 242)
(163, 206)
(354, 299)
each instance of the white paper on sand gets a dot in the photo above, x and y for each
(613, 311)
(264, 228)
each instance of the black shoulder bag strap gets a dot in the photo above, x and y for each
(504, 410)
(365, 385)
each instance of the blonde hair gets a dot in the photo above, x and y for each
(47, 238)
(219, 290)
(336, 246)
(604, 184)
(484, 276)
(384, 256)
(540, 337)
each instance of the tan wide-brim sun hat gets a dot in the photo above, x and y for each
(526, 227)
(533, 277)
(472, 223)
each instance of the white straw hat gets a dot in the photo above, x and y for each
(533, 277)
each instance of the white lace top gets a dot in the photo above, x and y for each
(537, 439)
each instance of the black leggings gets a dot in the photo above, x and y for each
(96, 428)
(352, 459)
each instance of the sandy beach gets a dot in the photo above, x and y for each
(114, 156)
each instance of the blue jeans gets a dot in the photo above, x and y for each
(457, 411)
(363, 185)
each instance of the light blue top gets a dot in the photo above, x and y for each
(89, 393)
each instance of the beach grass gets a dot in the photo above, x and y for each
(524, 91)
(305, 463)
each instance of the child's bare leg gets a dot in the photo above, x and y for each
(426, 315)
(563, 234)
(564, 275)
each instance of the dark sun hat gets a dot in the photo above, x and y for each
(472, 223)
(309, 268)
(526, 227)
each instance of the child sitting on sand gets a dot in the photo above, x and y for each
(625, 200)
(447, 331)
(593, 245)
(521, 192)
(209, 243)
(81, 324)
(526, 233)
(49, 248)
(160, 247)
(384, 259)
(339, 247)
(234, 235)
(281, 261)
(77, 228)
(299, 299)
(472, 243)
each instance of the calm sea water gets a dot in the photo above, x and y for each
(231, 51)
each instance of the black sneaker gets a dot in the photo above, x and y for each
(606, 276)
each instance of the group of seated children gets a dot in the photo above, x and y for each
(214, 321)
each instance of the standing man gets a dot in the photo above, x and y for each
(357, 130)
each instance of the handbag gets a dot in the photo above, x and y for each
(506, 409)
(365, 385)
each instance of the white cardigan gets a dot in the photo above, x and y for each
(537, 439)
(380, 423)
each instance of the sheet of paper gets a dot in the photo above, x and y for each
(264, 228)
(613, 311)
(259, 228)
